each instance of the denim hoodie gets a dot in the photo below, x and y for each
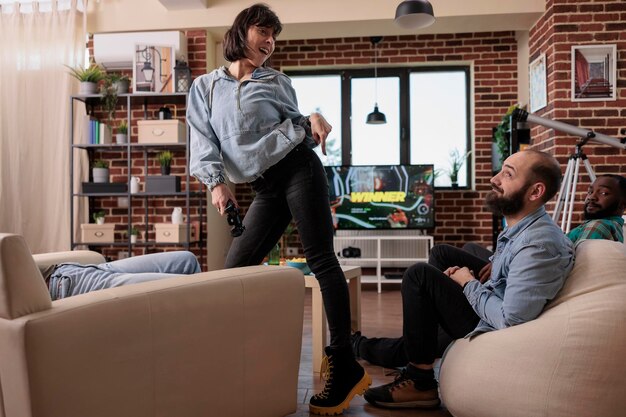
(531, 262)
(242, 128)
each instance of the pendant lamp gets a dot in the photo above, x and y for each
(414, 14)
(376, 117)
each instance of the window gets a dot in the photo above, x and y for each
(322, 94)
(427, 111)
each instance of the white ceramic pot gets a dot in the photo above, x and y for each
(133, 238)
(120, 137)
(134, 185)
(122, 86)
(99, 220)
(87, 87)
(100, 174)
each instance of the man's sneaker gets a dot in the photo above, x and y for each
(402, 393)
(355, 341)
(345, 378)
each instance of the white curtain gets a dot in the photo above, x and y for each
(36, 40)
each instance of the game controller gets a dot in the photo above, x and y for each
(234, 220)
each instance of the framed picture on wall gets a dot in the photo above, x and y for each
(153, 69)
(594, 74)
(537, 82)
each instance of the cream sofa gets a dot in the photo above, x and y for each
(223, 343)
(569, 362)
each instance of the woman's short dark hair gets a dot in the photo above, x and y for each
(235, 38)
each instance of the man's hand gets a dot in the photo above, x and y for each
(459, 275)
(220, 196)
(320, 129)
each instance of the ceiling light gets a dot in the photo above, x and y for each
(376, 117)
(415, 14)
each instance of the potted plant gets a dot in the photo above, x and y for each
(100, 171)
(165, 160)
(108, 99)
(134, 233)
(88, 77)
(120, 82)
(98, 217)
(501, 135)
(122, 132)
(456, 162)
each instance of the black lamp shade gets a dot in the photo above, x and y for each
(414, 14)
(376, 117)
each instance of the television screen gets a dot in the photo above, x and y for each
(382, 197)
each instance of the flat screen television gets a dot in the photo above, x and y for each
(382, 196)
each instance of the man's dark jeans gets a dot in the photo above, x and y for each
(435, 311)
(297, 187)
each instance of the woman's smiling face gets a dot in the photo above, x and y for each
(260, 44)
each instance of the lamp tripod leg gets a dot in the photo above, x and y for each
(564, 184)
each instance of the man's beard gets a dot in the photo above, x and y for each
(601, 214)
(506, 206)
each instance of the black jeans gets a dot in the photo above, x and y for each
(434, 307)
(297, 187)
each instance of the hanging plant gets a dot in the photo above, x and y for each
(502, 133)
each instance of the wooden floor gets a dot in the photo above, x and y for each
(381, 315)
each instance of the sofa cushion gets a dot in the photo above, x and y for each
(22, 289)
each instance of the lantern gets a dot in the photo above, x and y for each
(182, 74)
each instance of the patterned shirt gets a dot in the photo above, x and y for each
(609, 228)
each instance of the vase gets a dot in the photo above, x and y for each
(100, 174)
(133, 238)
(99, 220)
(121, 86)
(165, 169)
(87, 87)
(120, 138)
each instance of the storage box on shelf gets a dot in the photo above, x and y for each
(97, 233)
(161, 131)
(134, 159)
(162, 184)
(173, 233)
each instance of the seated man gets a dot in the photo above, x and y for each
(603, 209)
(67, 279)
(532, 260)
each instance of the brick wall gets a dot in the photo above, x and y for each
(567, 23)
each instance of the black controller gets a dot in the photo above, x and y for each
(234, 220)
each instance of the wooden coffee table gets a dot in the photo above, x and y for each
(318, 314)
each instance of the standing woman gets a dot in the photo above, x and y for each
(245, 124)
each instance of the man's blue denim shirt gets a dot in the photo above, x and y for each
(531, 262)
(242, 128)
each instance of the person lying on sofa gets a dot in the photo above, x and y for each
(530, 265)
(68, 279)
(603, 209)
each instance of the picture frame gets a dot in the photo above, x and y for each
(153, 68)
(594, 72)
(537, 72)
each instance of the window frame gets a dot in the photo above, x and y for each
(403, 73)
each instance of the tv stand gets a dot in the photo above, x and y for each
(378, 249)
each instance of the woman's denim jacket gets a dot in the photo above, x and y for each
(242, 128)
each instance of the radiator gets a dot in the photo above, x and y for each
(393, 253)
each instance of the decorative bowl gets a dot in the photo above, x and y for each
(301, 265)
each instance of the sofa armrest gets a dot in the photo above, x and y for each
(79, 256)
